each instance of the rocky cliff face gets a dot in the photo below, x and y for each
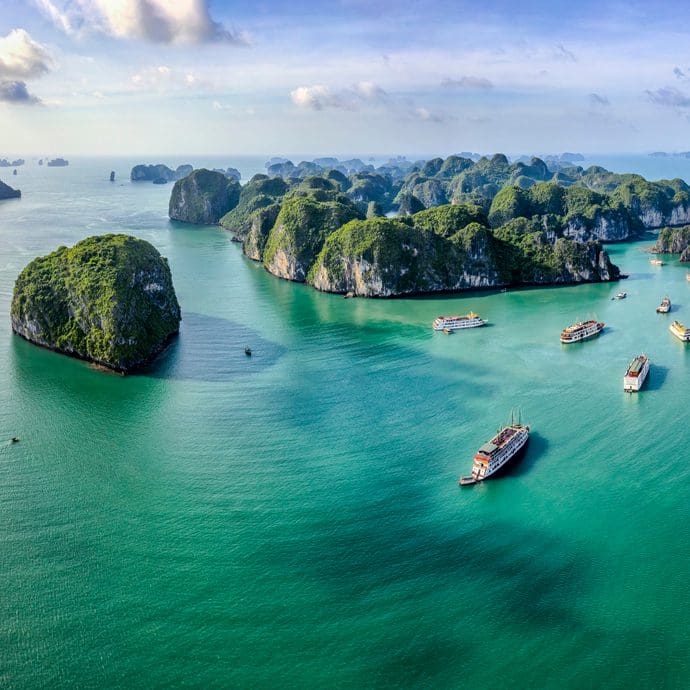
(203, 197)
(673, 241)
(583, 263)
(606, 226)
(6, 192)
(388, 257)
(657, 218)
(299, 232)
(109, 299)
(383, 258)
(261, 224)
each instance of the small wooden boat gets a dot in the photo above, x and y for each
(14, 439)
(248, 351)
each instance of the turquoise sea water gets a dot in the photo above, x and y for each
(293, 519)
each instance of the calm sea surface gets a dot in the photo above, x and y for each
(293, 519)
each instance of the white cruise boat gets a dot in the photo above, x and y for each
(636, 374)
(495, 454)
(656, 262)
(581, 331)
(455, 323)
(664, 307)
(680, 331)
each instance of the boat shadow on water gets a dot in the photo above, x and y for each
(523, 462)
(656, 377)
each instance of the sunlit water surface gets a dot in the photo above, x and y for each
(293, 519)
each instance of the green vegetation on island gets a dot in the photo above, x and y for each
(299, 232)
(673, 241)
(387, 257)
(203, 197)
(109, 299)
(261, 191)
(461, 222)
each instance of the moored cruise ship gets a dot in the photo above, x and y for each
(581, 331)
(664, 307)
(455, 323)
(680, 331)
(636, 374)
(497, 452)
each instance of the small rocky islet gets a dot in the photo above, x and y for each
(460, 223)
(673, 241)
(159, 173)
(109, 300)
(7, 192)
(203, 196)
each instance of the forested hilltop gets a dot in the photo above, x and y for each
(460, 223)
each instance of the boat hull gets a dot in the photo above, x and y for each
(632, 384)
(484, 470)
(680, 332)
(474, 323)
(664, 307)
(588, 334)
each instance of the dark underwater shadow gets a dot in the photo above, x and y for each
(536, 448)
(657, 377)
(212, 349)
(523, 461)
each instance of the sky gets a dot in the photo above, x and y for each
(174, 77)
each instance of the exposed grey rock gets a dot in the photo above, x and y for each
(6, 192)
(203, 197)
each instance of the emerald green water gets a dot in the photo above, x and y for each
(293, 519)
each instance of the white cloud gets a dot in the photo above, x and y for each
(315, 97)
(370, 91)
(425, 115)
(466, 82)
(319, 97)
(58, 18)
(233, 110)
(362, 94)
(158, 21)
(163, 78)
(21, 57)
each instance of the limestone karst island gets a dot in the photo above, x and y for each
(109, 300)
(344, 345)
(458, 223)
